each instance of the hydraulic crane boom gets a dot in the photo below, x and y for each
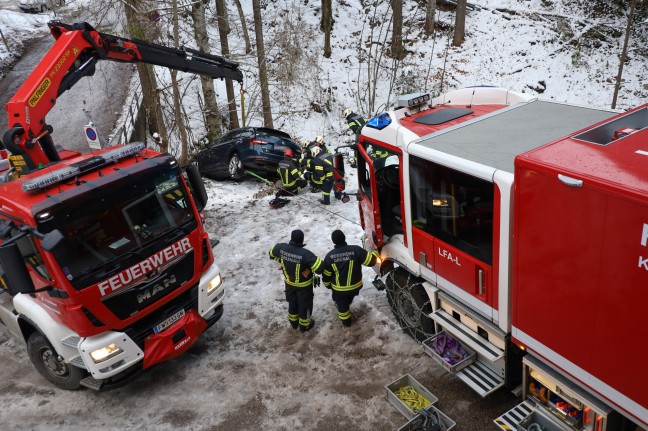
(74, 54)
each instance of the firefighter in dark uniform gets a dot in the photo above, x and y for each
(320, 173)
(354, 121)
(299, 266)
(291, 180)
(343, 273)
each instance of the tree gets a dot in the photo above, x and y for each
(397, 30)
(246, 36)
(430, 9)
(622, 58)
(138, 27)
(212, 120)
(263, 74)
(460, 23)
(177, 110)
(326, 24)
(223, 31)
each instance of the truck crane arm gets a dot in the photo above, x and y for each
(77, 49)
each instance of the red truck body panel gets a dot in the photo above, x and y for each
(580, 271)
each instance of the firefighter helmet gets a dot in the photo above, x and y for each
(319, 139)
(346, 112)
(315, 151)
(288, 153)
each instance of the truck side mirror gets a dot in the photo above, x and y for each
(197, 186)
(52, 240)
(16, 274)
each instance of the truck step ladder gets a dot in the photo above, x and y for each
(91, 383)
(480, 378)
(510, 420)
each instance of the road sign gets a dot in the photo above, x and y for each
(92, 137)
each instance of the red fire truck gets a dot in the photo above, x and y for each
(105, 264)
(516, 230)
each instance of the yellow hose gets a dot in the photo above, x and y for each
(411, 398)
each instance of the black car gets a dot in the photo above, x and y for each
(254, 148)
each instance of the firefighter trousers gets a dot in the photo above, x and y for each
(300, 305)
(343, 302)
(292, 190)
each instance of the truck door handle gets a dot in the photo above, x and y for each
(571, 182)
(480, 279)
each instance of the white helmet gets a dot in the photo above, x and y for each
(319, 139)
(315, 151)
(346, 112)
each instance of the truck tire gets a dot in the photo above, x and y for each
(45, 360)
(410, 304)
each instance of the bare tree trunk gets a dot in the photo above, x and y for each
(150, 93)
(622, 58)
(263, 74)
(460, 23)
(246, 36)
(430, 9)
(326, 25)
(212, 118)
(177, 110)
(397, 30)
(223, 30)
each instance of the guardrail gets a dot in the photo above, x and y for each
(123, 133)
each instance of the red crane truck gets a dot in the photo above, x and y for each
(105, 265)
(517, 228)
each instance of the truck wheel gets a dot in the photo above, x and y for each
(235, 167)
(410, 304)
(46, 362)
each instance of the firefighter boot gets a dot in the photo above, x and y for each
(347, 322)
(307, 328)
(294, 324)
(326, 200)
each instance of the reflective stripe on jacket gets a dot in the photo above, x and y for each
(288, 171)
(343, 267)
(355, 122)
(297, 263)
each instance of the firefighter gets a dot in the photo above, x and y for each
(299, 266)
(343, 273)
(320, 173)
(291, 180)
(354, 121)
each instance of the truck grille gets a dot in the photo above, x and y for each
(157, 286)
(143, 328)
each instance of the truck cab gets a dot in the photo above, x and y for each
(105, 265)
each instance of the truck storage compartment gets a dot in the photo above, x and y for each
(426, 420)
(407, 394)
(449, 352)
(540, 421)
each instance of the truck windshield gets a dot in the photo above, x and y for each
(120, 225)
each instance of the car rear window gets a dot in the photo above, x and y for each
(273, 138)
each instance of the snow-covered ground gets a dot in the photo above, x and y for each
(251, 370)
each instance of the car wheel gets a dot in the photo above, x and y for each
(235, 167)
(410, 304)
(47, 363)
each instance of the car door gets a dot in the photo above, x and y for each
(213, 160)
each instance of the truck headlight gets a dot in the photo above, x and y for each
(214, 284)
(105, 353)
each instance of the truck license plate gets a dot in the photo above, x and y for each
(168, 322)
